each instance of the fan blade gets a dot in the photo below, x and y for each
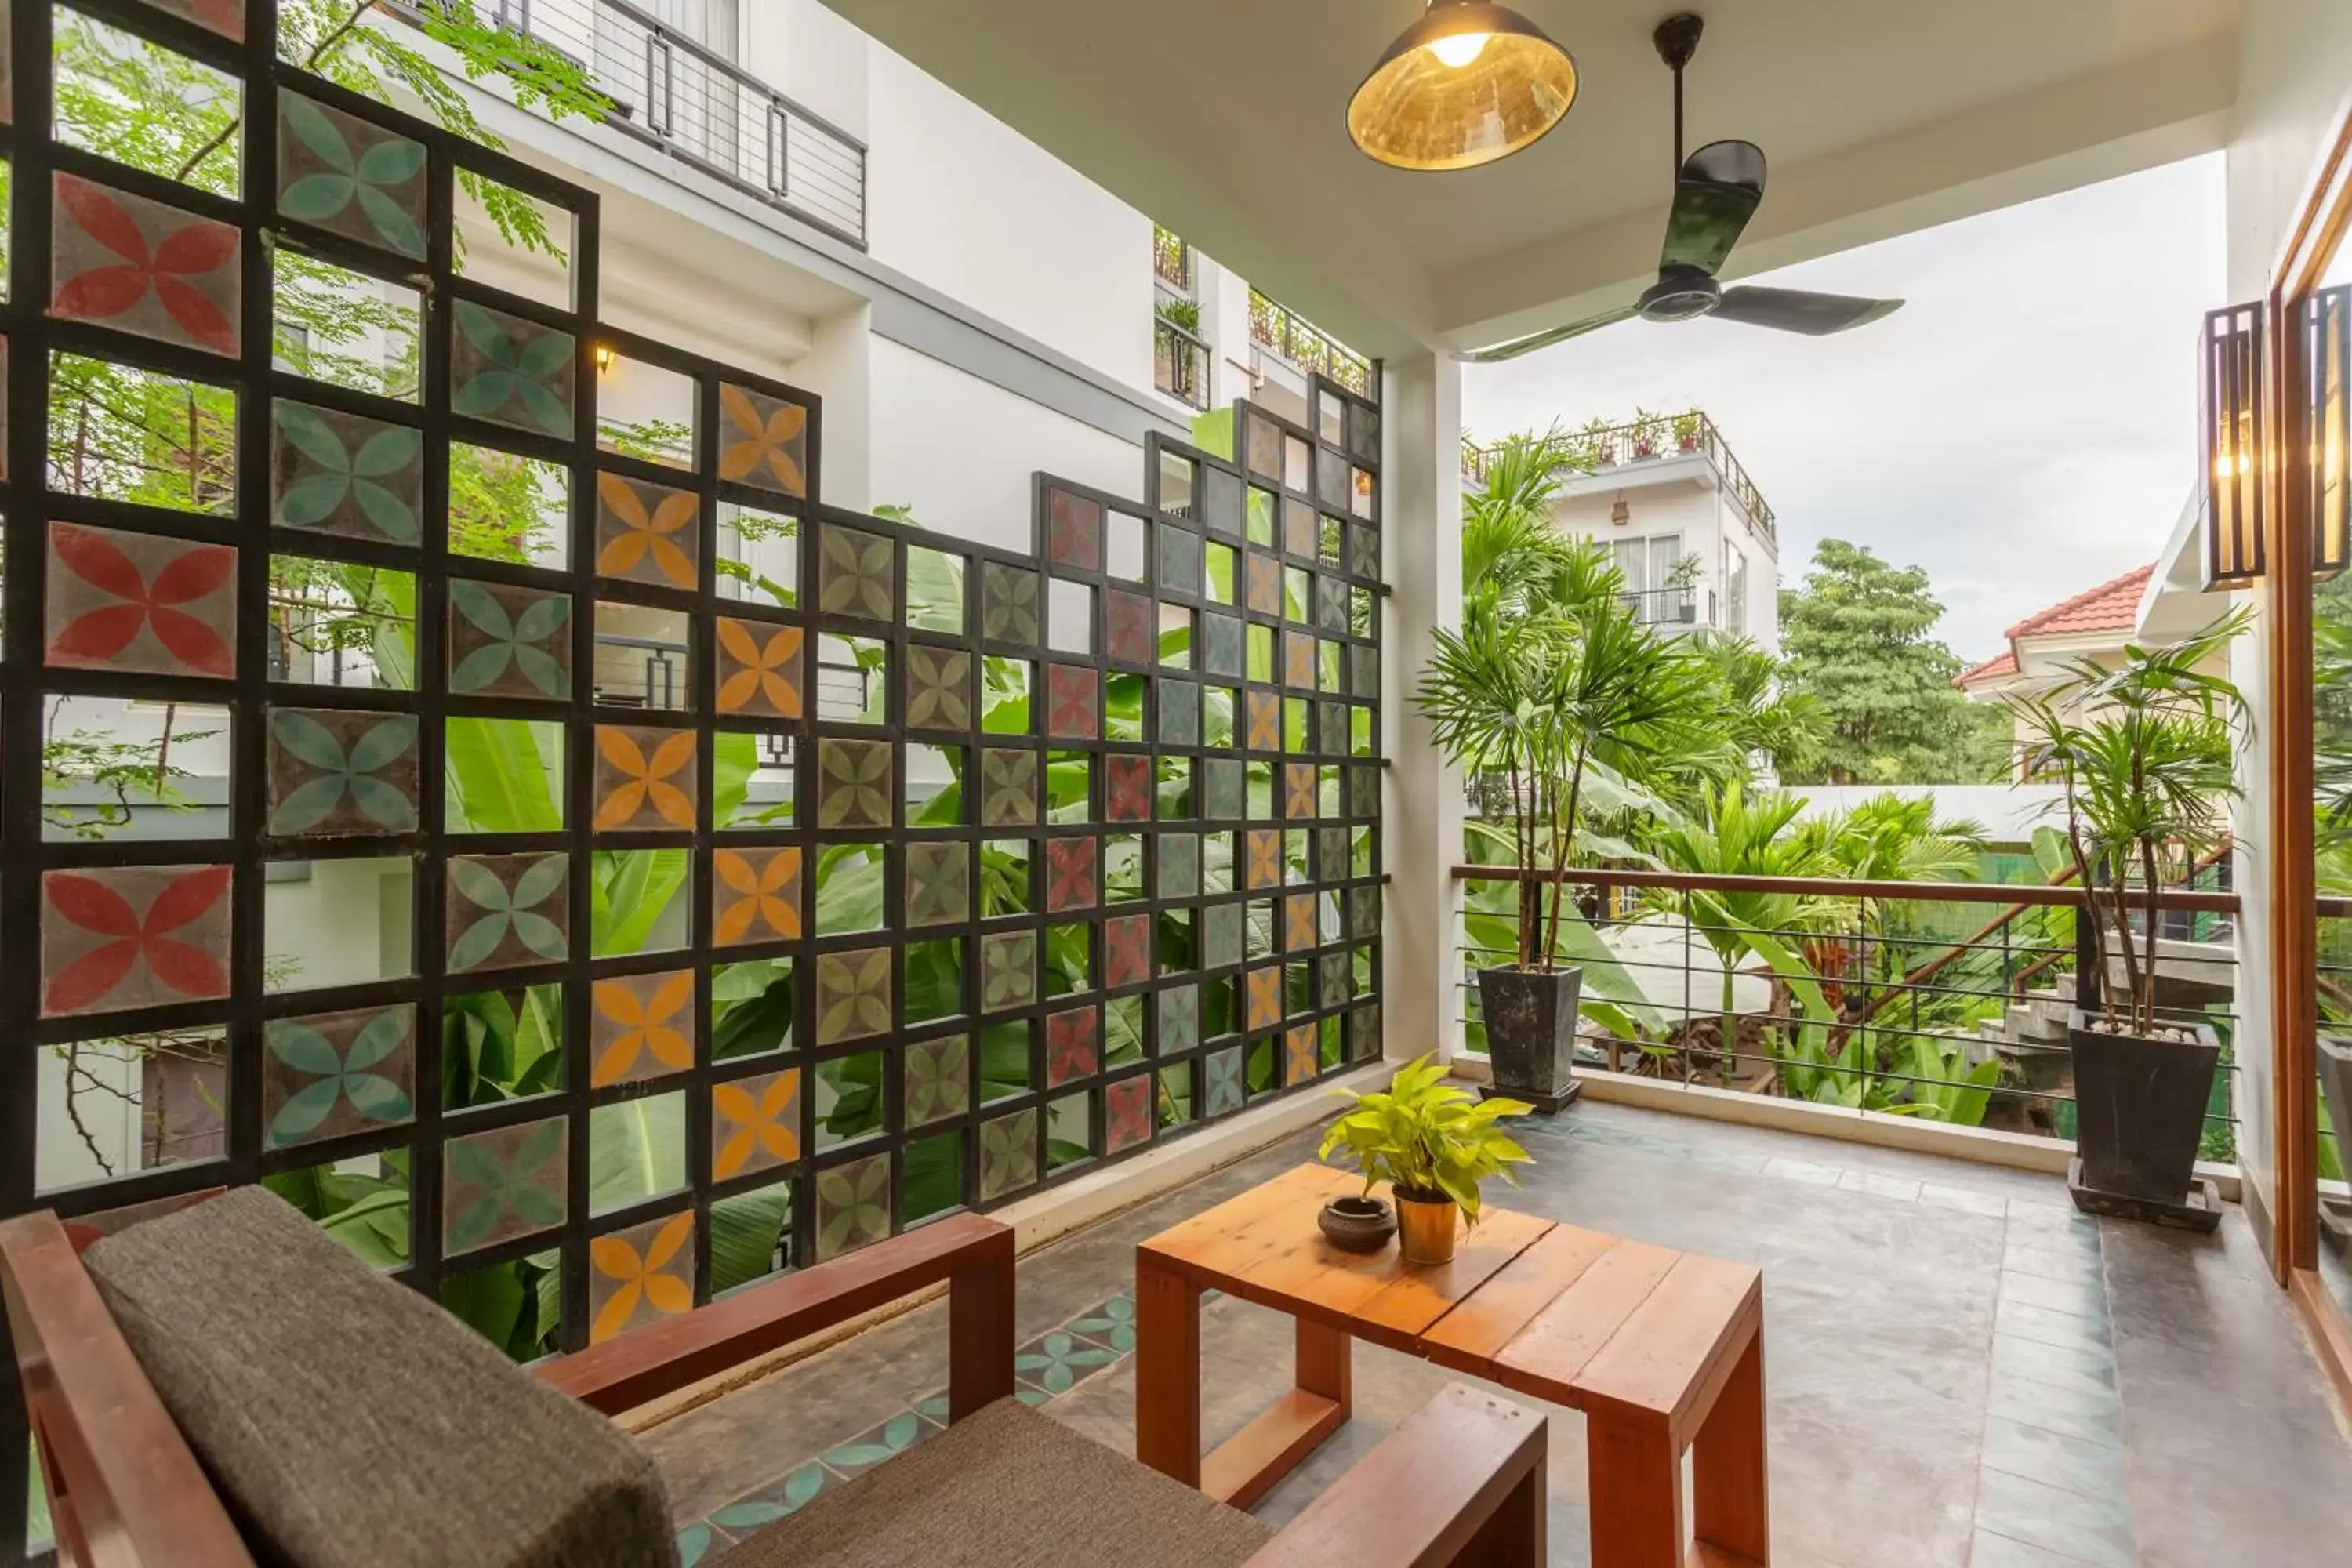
(1527, 345)
(1715, 196)
(1801, 310)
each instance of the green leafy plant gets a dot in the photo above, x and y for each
(1182, 313)
(1429, 1139)
(1688, 426)
(2142, 753)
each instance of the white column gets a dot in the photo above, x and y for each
(1421, 809)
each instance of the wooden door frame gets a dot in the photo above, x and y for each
(2322, 223)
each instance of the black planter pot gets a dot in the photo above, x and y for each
(2139, 1115)
(1357, 1224)
(1530, 1020)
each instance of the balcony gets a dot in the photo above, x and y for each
(1179, 363)
(672, 90)
(1607, 449)
(1305, 347)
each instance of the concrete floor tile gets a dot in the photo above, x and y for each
(2087, 1415)
(1991, 1551)
(1903, 1189)
(2095, 1531)
(1967, 1200)
(2094, 1470)
(2084, 1300)
(2092, 1371)
(1803, 1171)
(2075, 1264)
(2065, 1328)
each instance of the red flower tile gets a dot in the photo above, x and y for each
(1072, 712)
(1069, 1046)
(1127, 951)
(134, 936)
(1072, 530)
(1128, 1113)
(140, 602)
(1127, 788)
(1069, 874)
(1127, 627)
(143, 266)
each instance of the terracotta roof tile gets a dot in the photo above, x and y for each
(2112, 605)
(1993, 669)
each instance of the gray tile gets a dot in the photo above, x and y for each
(1803, 1171)
(2095, 1531)
(2089, 1415)
(1879, 1185)
(2038, 1453)
(2085, 1301)
(1967, 1200)
(2031, 1323)
(2071, 1264)
(1991, 1550)
(2054, 1364)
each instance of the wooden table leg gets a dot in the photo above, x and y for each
(1248, 1465)
(1730, 1482)
(1167, 1371)
(1634, 1478)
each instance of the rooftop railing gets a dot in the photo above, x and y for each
(1292, 337)
(1886, 997)
(1664, 439)
(1171, 261)
(684, 96)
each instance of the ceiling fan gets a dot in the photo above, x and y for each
(1716, 191)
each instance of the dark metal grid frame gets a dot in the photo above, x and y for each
(24, 683)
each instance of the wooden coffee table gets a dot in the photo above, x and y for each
(1661, 1350)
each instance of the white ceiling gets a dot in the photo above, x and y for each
(1223, 118)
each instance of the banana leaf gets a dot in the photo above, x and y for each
(746, 1233)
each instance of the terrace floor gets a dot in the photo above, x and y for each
(1960, 1370)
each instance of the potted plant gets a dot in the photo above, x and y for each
(1648, 428)
(1687, 425)
(1683, 579)
(1548, 694)
(1599, 440)
(2142, 751)
(1432, 1143)
(1184, 315)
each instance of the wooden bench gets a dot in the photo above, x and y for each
(1662, 1350)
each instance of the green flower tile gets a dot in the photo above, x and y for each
(856, 574)
(1008, 1154)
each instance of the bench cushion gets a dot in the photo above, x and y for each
(347, 1421)
(1008, 1488)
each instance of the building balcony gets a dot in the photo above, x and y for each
(1180, 364)
(1618, 452)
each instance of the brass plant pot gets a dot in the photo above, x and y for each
(1425, 1230)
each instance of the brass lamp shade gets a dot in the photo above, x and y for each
(1466, 85)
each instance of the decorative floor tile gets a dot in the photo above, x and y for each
(640, 1026)
(1073, 703)
(938, 689)
(646, 533)
(1008, 788)
(1127, 1113)
(852, 1210)
(853, 994)
(144, 267)
(508, 641)
(134, 936)
(1069, 874)
(502, 1183)
(1222, 789)
(1179, 873)
(1298, 660)
(1299, 921)
(1179, 559)
(1299, 791)
(888, 1440)
(755, 1123)
(503, 910)
(1264, 576)
(1127, 632)
(1180, 1019)
(939, 1080)
(1223, 1089)
(755, 895)
(511, 372)
(1127, 951)
(1221, 936)
(1126, 787)
(1071, 1050)
(1220, 644)
(644, 779)
(640, 1276)
(334, 773)
(329, 1074)
(1263, 849)
(759, 669)
(332, 473)
(1072, 530)
(1008, 1154)
(140, 603)
(1008, 604)
(854, 787)
(350, 175)
(1298, 1054)
(1008, 970)
(938, 883)
(1111, 1323)
(1060, 1361)
(856, 574)
(762, 441)
(1263, 728)
(1264, 991)
(1180, 713)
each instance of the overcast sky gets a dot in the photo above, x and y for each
(2024, 427)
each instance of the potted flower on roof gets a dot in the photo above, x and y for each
(2142, 753)
(1687, 425)
(1649, 429)
(1598, 438)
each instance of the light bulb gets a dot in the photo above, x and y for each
(1459, 49)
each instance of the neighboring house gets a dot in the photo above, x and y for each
(1697, 545)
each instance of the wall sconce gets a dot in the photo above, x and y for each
(2327, 360)
(2233, 446)
(604, 358)
(1620, 514)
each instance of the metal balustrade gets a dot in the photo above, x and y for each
(1180, 362)
(1658, 439)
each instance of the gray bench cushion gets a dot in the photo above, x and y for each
(347, 1421)
(1007, 1488)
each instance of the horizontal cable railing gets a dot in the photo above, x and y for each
(1663, 439)
(1888, 997)
(1662, 607)
(1180, 362)
(687, 98)
(1171, 261)
(1292, 337)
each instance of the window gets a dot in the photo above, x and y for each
(1735, 589)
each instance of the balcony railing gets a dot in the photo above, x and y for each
(685, 96)
(1172, 261)
(1646, 441)
(1884, 997)
(1180, 362)
(1291, 337)
(1663, 606)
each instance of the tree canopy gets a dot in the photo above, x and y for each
(1859, 639)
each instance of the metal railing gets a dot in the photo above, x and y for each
(1180, 362)
(685, 96)
(1663, 439)
(1663, 606)
(1878, 997)
(1171, 261)
(1292, 337)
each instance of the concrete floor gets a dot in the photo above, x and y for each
(1960, 1370)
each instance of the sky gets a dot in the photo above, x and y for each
(2024, 428)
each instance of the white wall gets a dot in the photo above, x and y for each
(1704, 518)
(959, 451)
(814, 57)
(960, 202)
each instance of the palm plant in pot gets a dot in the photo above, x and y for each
(1432, 1143)
(1547, 696)
(2142, 751)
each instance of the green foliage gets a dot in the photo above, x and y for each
(2143, 753)
(1428, 1139)
(1857, 635)
(1182, 313)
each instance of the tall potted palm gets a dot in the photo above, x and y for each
(1546, 696)
(2142, 751)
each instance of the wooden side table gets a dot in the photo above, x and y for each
(1661, 1349)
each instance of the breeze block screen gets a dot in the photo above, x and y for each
(539, 836)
